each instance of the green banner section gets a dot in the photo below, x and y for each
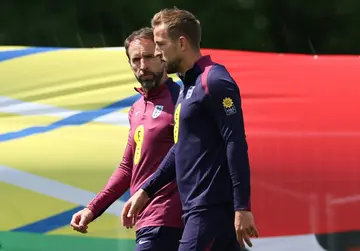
(10, 241)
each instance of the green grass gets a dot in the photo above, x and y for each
(11, 241)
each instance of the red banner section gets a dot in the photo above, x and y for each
(303, 127)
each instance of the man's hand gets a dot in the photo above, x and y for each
(81, 219)
(132, 207)
(245, 227)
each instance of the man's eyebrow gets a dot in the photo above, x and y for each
(135, 56)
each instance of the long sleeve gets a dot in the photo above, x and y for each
(118, 183)
(163, 175)
(225, 106)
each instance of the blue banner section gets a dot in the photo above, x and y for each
(74, 120)
(12, 54)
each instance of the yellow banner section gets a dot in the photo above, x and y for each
(11, 48)
(63, 129)
(68, 78)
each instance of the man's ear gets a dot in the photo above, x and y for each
(182, 43)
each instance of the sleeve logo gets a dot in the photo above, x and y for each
(229, 107)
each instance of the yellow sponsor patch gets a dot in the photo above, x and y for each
(228, 105)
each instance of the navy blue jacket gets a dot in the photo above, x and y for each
(210, 156)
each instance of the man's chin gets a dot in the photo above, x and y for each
(147, 85)
(171, 70)
(148, 79)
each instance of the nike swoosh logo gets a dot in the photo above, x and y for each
(142, 242)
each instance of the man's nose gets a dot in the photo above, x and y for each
(143, 64)
(157, 52)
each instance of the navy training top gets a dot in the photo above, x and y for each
(210, 156)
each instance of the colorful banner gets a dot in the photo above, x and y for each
(63, 129)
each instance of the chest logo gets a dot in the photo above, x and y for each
(189, 92)
(157, 111)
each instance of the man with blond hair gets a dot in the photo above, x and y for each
(210, 157)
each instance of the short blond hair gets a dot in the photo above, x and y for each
(179, 23)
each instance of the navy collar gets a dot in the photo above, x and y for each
(191, 75)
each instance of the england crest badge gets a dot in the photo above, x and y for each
(157, 111)
(189, 92)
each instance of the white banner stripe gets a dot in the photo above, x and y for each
(52, 188)
(14, 106)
